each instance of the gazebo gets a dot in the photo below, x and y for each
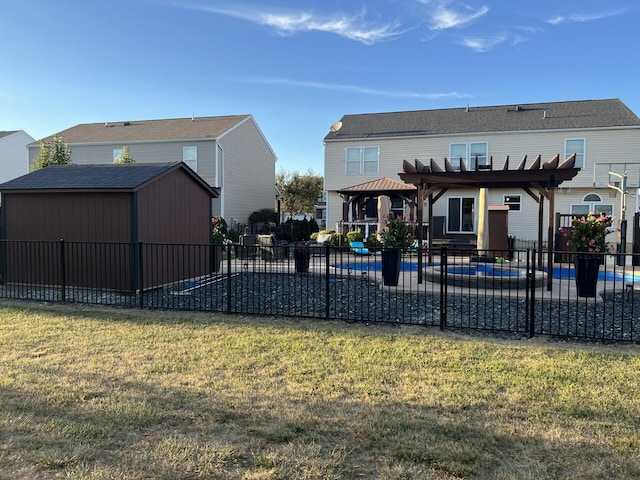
(540, 181)
(354, 198)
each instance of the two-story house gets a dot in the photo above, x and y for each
(14, 160)
(228, 152)
(604, 135)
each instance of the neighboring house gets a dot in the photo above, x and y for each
(14, 159)
(228, 152)
(604, 134)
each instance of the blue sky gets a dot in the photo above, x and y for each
(298, 66)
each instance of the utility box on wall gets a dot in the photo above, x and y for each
(499, 230)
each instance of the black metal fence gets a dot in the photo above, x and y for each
(435, 288)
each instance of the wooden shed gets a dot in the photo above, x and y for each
(102, 212)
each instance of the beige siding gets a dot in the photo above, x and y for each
(610, 145)
(249, 172)
(246, 172)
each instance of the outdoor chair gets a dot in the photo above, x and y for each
(248, 247)
(272, 249)
(358, 248)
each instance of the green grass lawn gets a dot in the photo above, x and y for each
(120, 394)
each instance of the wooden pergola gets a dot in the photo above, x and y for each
(540, 181)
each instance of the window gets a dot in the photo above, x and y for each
(460, 217)
(514, 202)
(591, 202)
(190, 157)
(362, 160)
(577, 146)
(117, 152)
(472, 155)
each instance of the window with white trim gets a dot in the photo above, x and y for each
(460, 214)
(473, 155)
(591, 202)
(117, 153)
(514, 202)
(190, 157)
(577, 146)
(362, 160)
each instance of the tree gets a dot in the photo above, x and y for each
(299, 192)
(124, 157)
(55, 152)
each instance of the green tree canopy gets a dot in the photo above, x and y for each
(55, 152)
(299, 192)
(124, 157)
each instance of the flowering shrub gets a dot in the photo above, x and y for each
(397, 232)
(218, 230)
(587, 234)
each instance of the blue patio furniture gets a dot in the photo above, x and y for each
(358, 248)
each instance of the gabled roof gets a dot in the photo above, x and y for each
(105, 177)
(7, 133)
(585, 114)
(196, 128)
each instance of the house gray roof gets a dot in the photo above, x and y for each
(195, 128)
(7, 133)
(126, 177)
(584, 114)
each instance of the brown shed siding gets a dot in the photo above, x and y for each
(79, 217)
(182, 218)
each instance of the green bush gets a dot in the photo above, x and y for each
(264, 215)
(355, 236)
(373, 244)
(338, 239)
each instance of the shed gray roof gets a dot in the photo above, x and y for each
(126, 177)
(150, 130)
(584, 114)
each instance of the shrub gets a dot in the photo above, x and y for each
(264, 215)
(355, 236)
(373, 244)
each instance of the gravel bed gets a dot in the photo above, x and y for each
(615, 318)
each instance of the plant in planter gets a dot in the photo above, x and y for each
(397, 236)
(373, 244)
(301, 257)
(219, 230)
(218, 237)
(587, 238)
(355, 237)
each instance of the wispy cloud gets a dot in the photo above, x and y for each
(584, 17)
(351, 88)
(444, 17)
(483, 44)
(353, 27)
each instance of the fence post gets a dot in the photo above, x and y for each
(229, 290)
(140, 275)
(443, 287)
(531, 279)
(327, 283)
(63, 272)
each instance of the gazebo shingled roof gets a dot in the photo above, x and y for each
(382, 186)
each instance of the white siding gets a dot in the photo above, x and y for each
(14, 158)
